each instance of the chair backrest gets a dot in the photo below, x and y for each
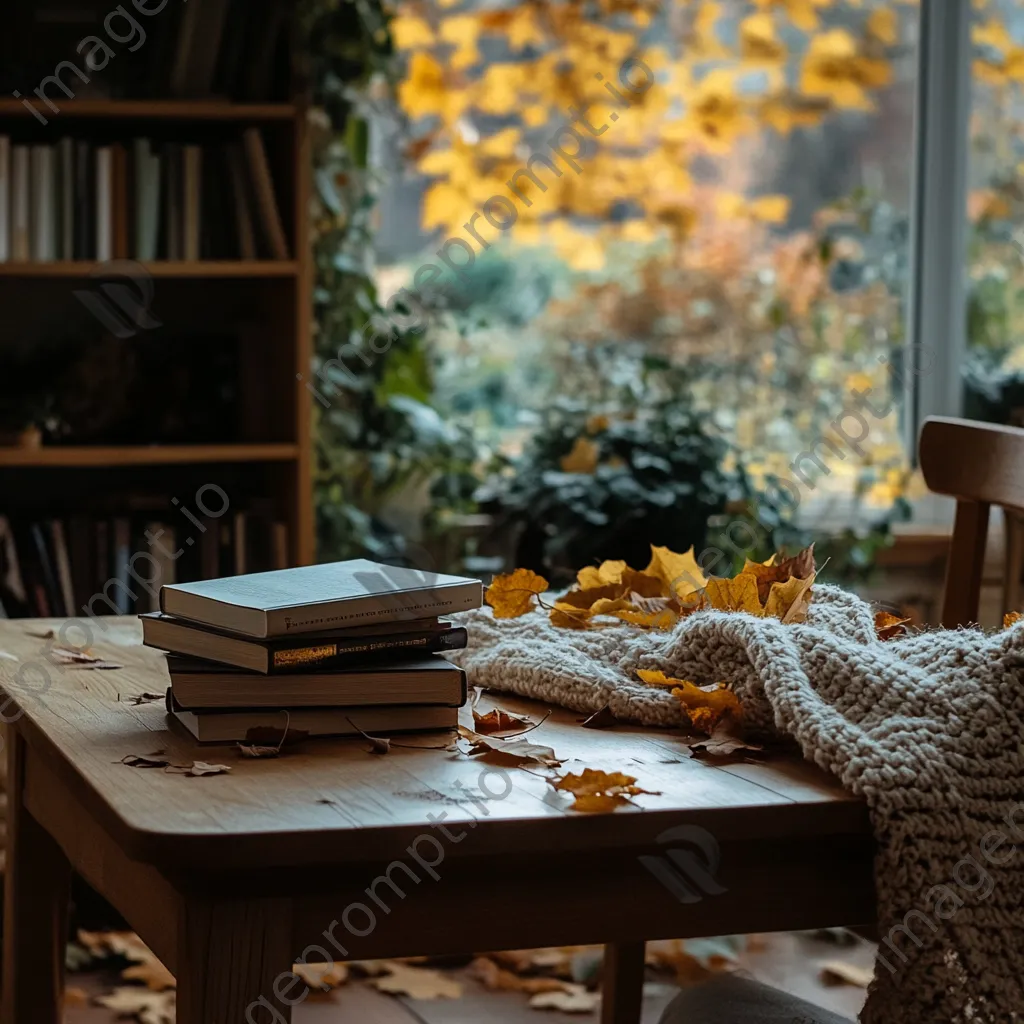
(979, 464)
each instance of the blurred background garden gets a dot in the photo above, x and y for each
(644, 353)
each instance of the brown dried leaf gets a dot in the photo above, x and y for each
(889, 626)
(704, 705)
(498, 979)
(145, 698)
(513, 594)
(800, 566)
(603, 719)
(598, 791)
(724, 741)
(197, 769)
(583, 457)
(79, 659)
(607, 572)
(418, 982)
(1011, 619)
(496, 722)
(141, 761)
(508, 753)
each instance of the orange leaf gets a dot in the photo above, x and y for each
(889, 626)
(498, 721)
(512, 594)
(680, 574)
(1010, 619)
(704, 705)
(800, 566)
(597, 791)
(582, 458)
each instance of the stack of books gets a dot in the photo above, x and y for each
(323, 650)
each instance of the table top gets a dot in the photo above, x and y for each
(334, 801)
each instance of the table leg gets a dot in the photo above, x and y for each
(37, 886)
(622, 989)
(233, 963)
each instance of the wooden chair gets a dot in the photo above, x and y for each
(981, 465)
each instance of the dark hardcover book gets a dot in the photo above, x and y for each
(261, 182)
(62, 565)
(270, 727)
(103, 562)
(231, 60)
(319, 653)
(428, 679)
(80, 544)
(205, 52)
(267, 22)
(312, 598)
(85, 202)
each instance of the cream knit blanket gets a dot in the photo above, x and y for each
(928, 729)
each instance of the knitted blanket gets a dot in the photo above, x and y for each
(927, 729)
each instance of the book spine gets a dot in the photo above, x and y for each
(20, 203)
(5, 198)
(66, 150)
(336, 655)
(266, 199)
(192, 168)
(104, 203)
(42, 191)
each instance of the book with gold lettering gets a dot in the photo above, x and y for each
(322, 652)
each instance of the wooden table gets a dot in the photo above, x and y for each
(231, 878)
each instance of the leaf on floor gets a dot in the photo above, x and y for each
(694, 960)
(417, 982)
(146, 966)
(576, 1000)
(838, 972)
(144, 1006)
(597, 791)
(725, 741)
(151, 973)
(322, 977)
(75, 996)
(499, 979)
(253, 750)
(508, 753)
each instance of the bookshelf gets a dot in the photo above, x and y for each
(249, 314)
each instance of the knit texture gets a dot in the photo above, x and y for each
(927, 729)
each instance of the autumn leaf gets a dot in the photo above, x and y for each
(145, 1006)
(681, 575)
(418, 982)
(512, 594)
(576, 1000)
(606, 573)
(509, 753)
(889, 626)
(197, 769)
(324, 976)
(738, 594)
(1011, 619)
(838, 972)
(603, 719)
(704, 705)
(496, 722)
(582, 458)
(598, 791)
(786, 601)
(800, 566)
(725, 741)
(141, 761)
(152, 973)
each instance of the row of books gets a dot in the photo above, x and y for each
(323, 650)
(75, 200)
(237, 49)
(56, 567)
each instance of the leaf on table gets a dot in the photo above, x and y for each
(576, 1000)
(513, 594)
(603, 719)
(257, 751)
(889, 626)
(141, 761)
(323, 977)
(197, 769)
(46, 634)
(145, 698)
(837, 972)
(725, 741)
(597, 791)
(508, 753)
(418, 982)
(496, 722)
(146, 1007)
(705, 706)
(785, 599)
(79, 659)
(378, 744)
(1011, 619)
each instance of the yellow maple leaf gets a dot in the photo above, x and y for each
(512, 594)
(410, 32)
(704, 706)
(1011, 619)
(738, 594)
(680, 574)
(789, 601)
(597, 791)
(607, 572)
(883, 24)
(582, 458)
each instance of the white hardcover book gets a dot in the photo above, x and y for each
(21, 249)
(43, 216)
(66, 218)
(5, 198)
(104, 203)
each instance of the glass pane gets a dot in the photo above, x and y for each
(622, 208)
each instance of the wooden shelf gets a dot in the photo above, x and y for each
(84, 456)
(167, 110)
(159, 268)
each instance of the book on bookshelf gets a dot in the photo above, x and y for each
(325, 650)
(312, 598)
